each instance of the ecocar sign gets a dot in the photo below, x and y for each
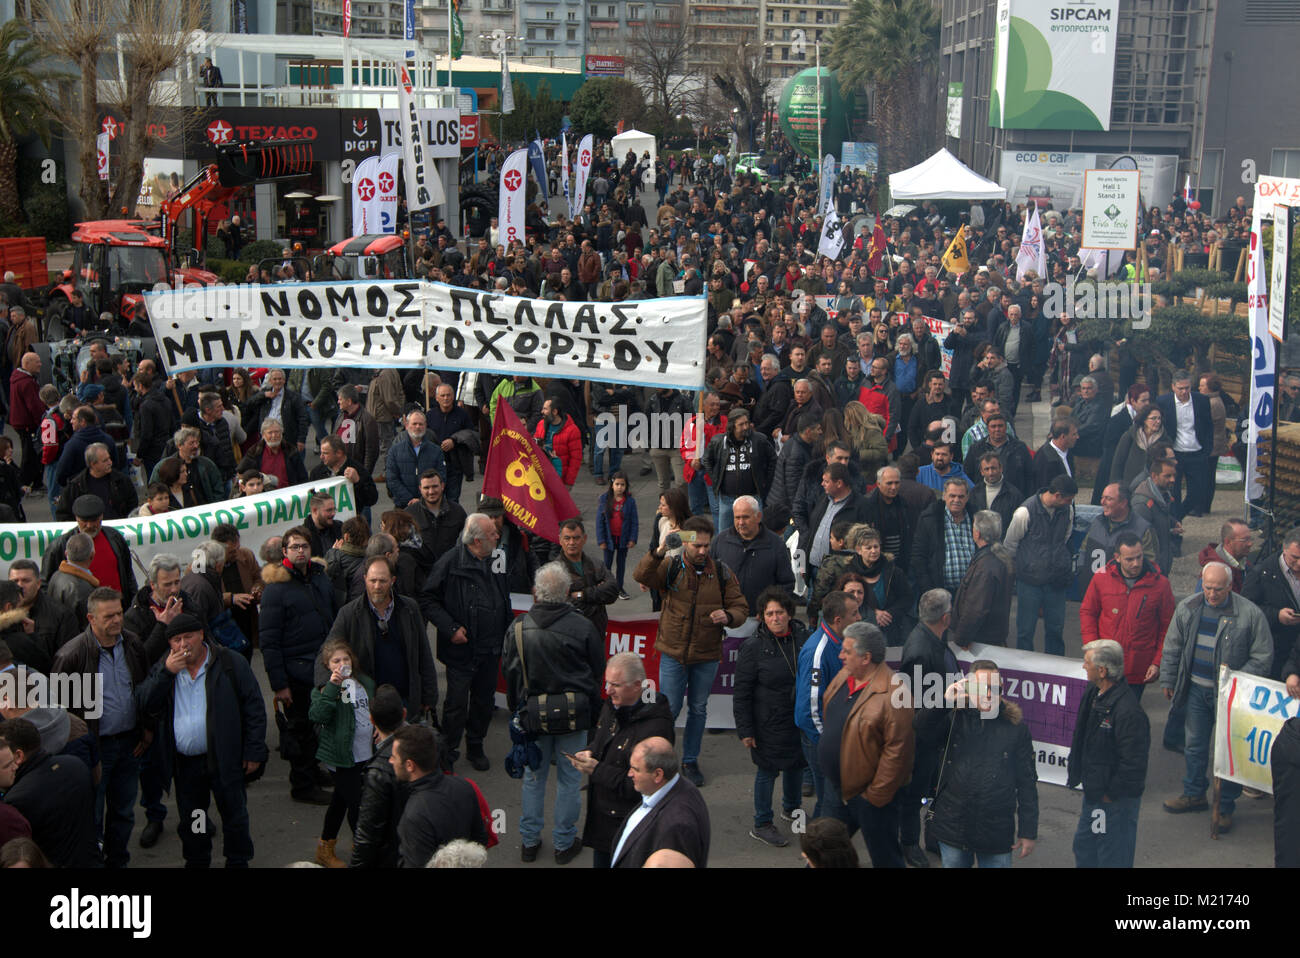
(1053, 64)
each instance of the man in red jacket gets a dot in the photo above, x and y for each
(25, 413)
(559, 438)
(1131, 602)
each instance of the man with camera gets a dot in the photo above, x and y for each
(553, 661)
(701, 597)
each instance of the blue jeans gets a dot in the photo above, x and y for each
(1196, 750)
(323, 427)
(617, 553)
(115, 796)
(765, 784)
(722, 518)
(568, 802)
(599, 449)
(690, 682)
(965, 858)
(1107, 834)
(813, 771)
(1051, 601)
(700, 495)
(52, 488)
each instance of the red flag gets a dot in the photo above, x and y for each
(876, 250)
(618, 128)
(519, 474)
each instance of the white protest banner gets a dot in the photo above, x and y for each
(656, 342)
(826, 197)
(1032, 254)
(832, 238)
(423, 185)
(584, 171)
(257, 518)
(1248, 717)
(512, 192)
(364, 190)
(1110, 208)
(1262, 371)
(940, 329)
(384, 215)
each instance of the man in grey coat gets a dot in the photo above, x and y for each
(1211, 628)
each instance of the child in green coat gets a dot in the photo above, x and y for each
(341, 707)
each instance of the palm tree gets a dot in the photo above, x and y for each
(892, 45)
(21, 110)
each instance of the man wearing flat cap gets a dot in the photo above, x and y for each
(212, 728)
(111, 564)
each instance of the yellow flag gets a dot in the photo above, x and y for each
(954, 260)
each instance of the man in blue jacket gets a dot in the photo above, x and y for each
(297, 613)
(409, 457)
(819, 662)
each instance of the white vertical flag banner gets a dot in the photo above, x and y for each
(585, 146)
(828, 185)
(1031, 254)
(1262, 386)
(102, 145)
(564, 170)
(512, 190)
(507, 91)
(832, 240)
(384, 211)
(364, 187)
(423, 185)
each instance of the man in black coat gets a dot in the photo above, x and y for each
(1108, 757)
(449, 426)
(1193, 435)
(795, 454)
(740, 462)
(888, 514)
(1284, 763)
(374, 842)
(982, 607)
(627, 717)
(1017, 465)
(214, 433)
(154, 421)
(53, 792)
(55, 624)
(115, 489)
(1116, 426)
(1054, 457)
(995, 493)
(277, 402)
(438, 518)
(757, 556)
(439, 808)
(554, 650)
(931, 563)
(213, 756)
(1266, 585)
(468, 602)
(672, 821)
(335, 463)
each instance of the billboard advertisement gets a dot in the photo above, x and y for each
(1053, 64)
(1055, 179)
(859, 156)
(798, 112)
(600, 65)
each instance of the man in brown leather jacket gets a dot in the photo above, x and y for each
(867, 744)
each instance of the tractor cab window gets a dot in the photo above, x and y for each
(393, 264)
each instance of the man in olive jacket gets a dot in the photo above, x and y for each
(701, 598)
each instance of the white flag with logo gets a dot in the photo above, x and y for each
(423, 185)
(564, 170)
(102, 145)
(507, 91)
(828, 185)
(364, 187)
(385, 206)
(1032, 253)
(1262, 408)
(832, 240)
(585, 147)
(512, 190)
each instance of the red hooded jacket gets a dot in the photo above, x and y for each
(1137, 619)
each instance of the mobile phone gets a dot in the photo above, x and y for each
(687, 536)
(568, 755)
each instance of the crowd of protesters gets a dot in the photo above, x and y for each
(864, 404)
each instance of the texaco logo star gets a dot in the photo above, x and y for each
(366, 190)
(585, 157)
(219, 131)
(110, 127)
(513, 180)
(385, 182)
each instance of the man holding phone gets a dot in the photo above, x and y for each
(701, 598)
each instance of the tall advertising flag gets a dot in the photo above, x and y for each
(585, 146)
(103, 143)
(519, 474)
(1032, 254)
(828, 185)
(408, 20)
(364, 191)
(457, 31)
(564, 170)
(385, 208)
(1262, 409)
(832, 240)
(347, 18)
(507, 91)
(423, 184)
(537, 158)
(510, 205)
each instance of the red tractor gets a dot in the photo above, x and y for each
(370, 256)
(115, 261)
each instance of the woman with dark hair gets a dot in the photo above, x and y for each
(1130, 460)
(763, 701)
(22, 853)
(174, 474)
(826, 843)
(617, 525)
(399, 524)
(674, 509)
